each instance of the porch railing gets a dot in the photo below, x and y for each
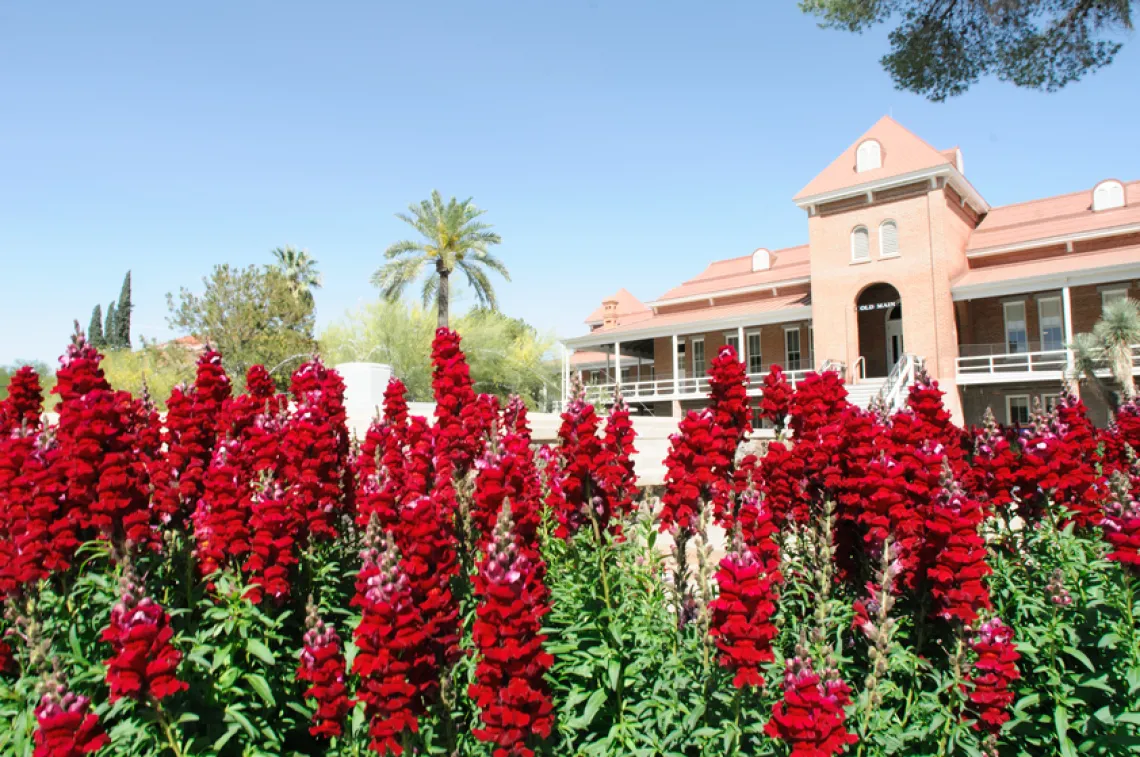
(663, 387)
(973, 365)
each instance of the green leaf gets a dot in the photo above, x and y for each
(1132, 718)
(1104, 715)
(614, 671)
(221, 742)
(236, 715)
(595, 702)
(261, 686)
(260, 651)
(1081, 656)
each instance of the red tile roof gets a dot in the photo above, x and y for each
(628, 308)
(724, 276)
(1052, 217)
(1060, 264)
(716, 312)
(902, 152)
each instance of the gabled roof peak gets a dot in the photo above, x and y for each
(899, 151)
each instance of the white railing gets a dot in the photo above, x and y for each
(1013, 366)
(1014, 362)
(894, 390)
(685, 387)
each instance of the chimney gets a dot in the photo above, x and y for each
(609, 313)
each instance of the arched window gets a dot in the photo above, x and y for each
(1108, 194)
(888, 239)
(761, 260)
(869, 155)
(860, 244)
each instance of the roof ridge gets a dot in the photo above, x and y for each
(1059, 197)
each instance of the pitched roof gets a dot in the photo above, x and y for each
(1052, 217)
(724, 276)
(714, 313)
(628, 307)
(902, 152)
(1026, 272)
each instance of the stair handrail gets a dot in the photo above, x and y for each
(858, 370)
(831, 364)
(898, 380)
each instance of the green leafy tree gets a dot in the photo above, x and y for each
(453, 238)
(95, 327)
(251, 316)
(122, 336)
(941, 47)
(157, 369)
(110, 327)
(299, 269)
(1109, 345)
(506, 355)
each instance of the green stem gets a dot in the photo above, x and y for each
(164, 721)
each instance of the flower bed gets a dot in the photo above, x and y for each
(240, 578)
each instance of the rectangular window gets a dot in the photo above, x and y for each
(1049, 401)
(681, 358)
(1052, 323)
(1108, 296)
(732, 339)
(698, 356)
(792, 348)
(1016, 333)
(755, 357)
(1017, 409)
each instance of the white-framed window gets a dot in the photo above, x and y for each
(1017, 409)
(888, 239)
(1107, 195)
(868, 156)
(755, 356)
(1050, 401)
(1052, 323)
(698, 356)
(1016, 332)
(732, 339)
(1108, 296)
(761, 260)
(792, 348)
(860, 244)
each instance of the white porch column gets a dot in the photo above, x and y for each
(1067, 312)
(617, 364)
(676, 367)
(740, 344)
(565, 374)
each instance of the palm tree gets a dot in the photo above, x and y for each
(1110, 343)
(453, 238)
(299, 269)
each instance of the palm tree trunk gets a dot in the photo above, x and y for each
(1122, 367)
(443, 296)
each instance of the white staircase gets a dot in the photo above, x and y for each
(866, 390)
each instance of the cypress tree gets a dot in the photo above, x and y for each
(123, 315)
(95, 328)
(109, 328)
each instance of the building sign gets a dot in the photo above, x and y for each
(879, 305)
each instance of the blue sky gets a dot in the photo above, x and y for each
(621, 143)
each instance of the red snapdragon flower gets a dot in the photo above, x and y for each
(776, 399)
(323, 668)
(924, 399)
(79, 371)
(222, 518)
(272, 548)
(389, 638)
(506, 472)
(780, 475)
(616, 470)
(955, 553)
(144, 664)
(741, 620)
(65, 725)
(991, 476)
(1122, 522)
(810, 717)
(581, 455)
(24, 404)
(689, 474)
(510, 687)
(460, 418)
(816, 420)
(994, 669)
(314, 468)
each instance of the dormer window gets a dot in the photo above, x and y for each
(1108, 194)
(860, 244)
(868, 156)
(761, 260)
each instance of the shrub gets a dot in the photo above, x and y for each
(239, 579)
